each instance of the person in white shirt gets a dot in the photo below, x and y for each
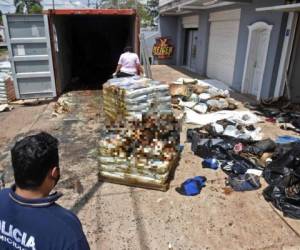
(129, 64)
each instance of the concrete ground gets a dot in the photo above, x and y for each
(121, 217)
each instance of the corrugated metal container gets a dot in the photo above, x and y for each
(67, 48)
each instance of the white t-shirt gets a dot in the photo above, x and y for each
(129, 62)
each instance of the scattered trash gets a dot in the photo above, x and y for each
(179, 90)
(62, 106)
(186, 81)
(287, 116)
(204, 96)
(5, 107)
(227, 190)
(218, 128)
(237, 157)
(238, 148)
(192, 187)
(201, 108)
(244, 182)
(271, 119)
(254, 172)
(190, 104)
(159, 200)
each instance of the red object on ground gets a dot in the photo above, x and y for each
(271, 119)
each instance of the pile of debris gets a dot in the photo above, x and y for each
(242, 159)
(200, 96)
(140, 144)
(62, 106)
(245, 159)
(286, 117)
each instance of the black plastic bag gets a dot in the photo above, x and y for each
(277, 196)
(244, 182)
(261, 147)
(283, 177)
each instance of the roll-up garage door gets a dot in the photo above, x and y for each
(223, 38)
(190, 22)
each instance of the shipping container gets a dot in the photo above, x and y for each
(67, 49)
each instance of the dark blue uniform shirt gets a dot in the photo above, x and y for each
(38, 224)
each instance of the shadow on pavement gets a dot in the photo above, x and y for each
(85, 199)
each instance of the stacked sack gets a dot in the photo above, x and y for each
(130, 98)
(200, 96)
(7, 91)
(141, 146)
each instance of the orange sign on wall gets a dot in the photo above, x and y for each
(163, 49)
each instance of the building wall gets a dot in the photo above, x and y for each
(203, 42)
(168, 28)
(249, 15)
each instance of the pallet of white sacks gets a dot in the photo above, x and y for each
(136, 182)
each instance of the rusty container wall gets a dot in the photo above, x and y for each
(86, 44)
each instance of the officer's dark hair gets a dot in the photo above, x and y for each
(128, 49)
(32, 158)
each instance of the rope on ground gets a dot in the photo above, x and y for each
(283, 219)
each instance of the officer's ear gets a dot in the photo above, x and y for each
(55, 173)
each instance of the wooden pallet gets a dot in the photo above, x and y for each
(132, 182)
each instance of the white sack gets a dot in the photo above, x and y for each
(240, 117)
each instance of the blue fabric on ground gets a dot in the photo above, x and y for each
(287, 139)
(193, 186)
(211, 163)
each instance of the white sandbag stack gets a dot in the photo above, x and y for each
(129, 98)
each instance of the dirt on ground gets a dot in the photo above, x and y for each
(121, 217)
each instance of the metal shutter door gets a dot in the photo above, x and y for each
(223, 39)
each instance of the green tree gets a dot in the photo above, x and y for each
(28, 6)
(143, 11)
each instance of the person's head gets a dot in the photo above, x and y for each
(35, 162)
(128, 49)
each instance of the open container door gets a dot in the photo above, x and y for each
(30, 54)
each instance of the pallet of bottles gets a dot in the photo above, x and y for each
(142, 153)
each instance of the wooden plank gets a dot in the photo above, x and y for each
(134, 183)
